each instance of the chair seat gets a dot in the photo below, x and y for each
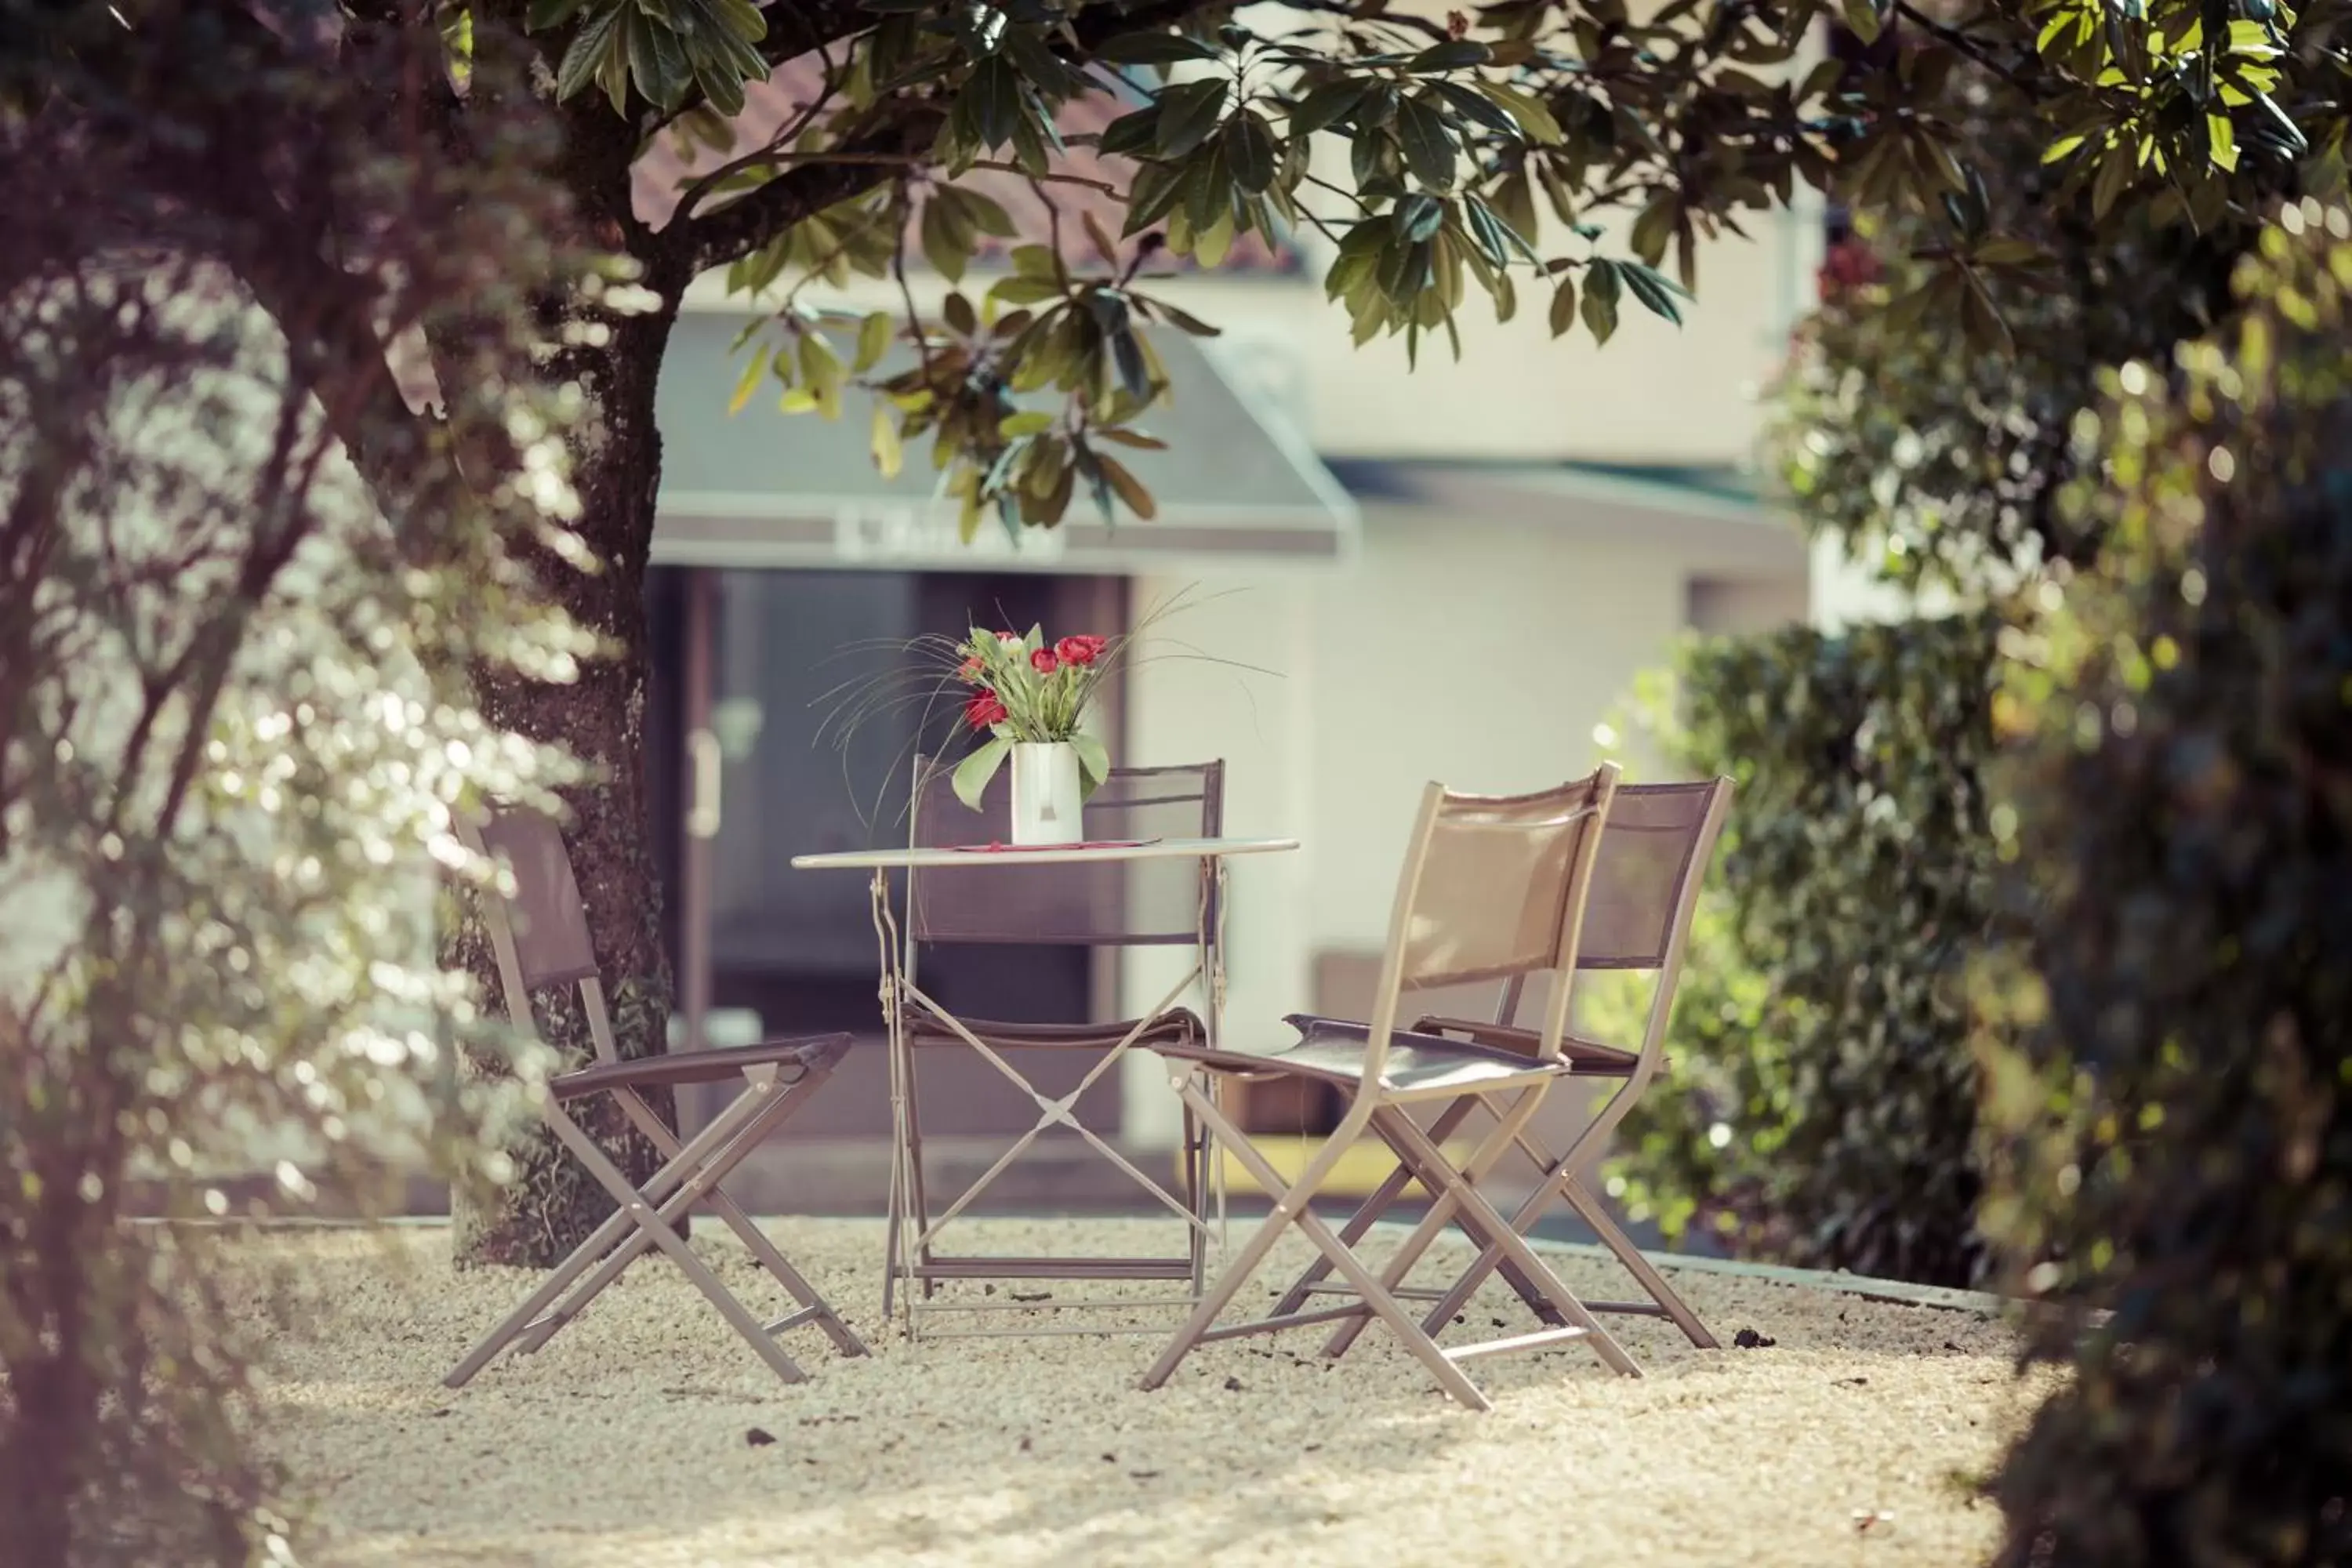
(1177, 1026)
(1584, 1058)
(1333, 1051)
(816, 1053)
(1588, 1059)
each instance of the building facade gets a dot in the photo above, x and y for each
(1451, 573)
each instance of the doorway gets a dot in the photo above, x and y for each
(748, 668)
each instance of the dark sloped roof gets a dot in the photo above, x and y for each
(762, 488)
(776, 102)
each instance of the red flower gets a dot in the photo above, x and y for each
(1008, 637)
(1081, 651)
(969, 670)
(983, 711)
(1849, 264)
(1044, 662)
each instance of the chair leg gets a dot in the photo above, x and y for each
(600, 1242)
(1561, 1182)
(918, 1199)
(655, 1224)
(1383, 1198)
(769, 1256)
(1244, 1263)
(1196, 1195)
(1442, 1206)
(1292, 1207)
(1482, 1217)
(1587, 1208)
(667, 1191)
(895, 1224)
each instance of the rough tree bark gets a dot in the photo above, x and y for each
(616, 359)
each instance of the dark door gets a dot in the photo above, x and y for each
(751, 665)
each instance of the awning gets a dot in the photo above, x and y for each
(761, 488)
(1714, 527)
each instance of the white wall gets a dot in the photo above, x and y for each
(1480, 653)
(1477, 653)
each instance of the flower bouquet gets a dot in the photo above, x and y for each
(1028, 698)
(1023, 698)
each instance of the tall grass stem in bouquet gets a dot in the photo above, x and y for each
(1027, 699)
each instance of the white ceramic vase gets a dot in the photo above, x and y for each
(1048, 798)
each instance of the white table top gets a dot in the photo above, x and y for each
(904, 858)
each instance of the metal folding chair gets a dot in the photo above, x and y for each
(1654, 853)
(1493, 889)
(539, 935)
(1173, 902)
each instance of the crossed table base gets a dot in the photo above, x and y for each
(915, 1266)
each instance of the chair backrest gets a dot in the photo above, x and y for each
(1653, 856)
(1493, 887)
(538, 933)
(1110, 904)
(1654, 860)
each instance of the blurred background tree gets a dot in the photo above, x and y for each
(2170, 1056)
(1818, 1105)
(235, 724)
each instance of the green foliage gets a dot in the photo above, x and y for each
(1818, 1107)
(2172, 1056)
(234, 727)
(1491, 157)
(1925, 420)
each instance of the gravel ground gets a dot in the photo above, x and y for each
(647, 1435)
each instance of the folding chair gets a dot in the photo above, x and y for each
(539, 936)
(1655, 854)
(1119, 904)
(1493, 889)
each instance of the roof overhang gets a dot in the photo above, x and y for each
(1237, 487)
(1716, 533)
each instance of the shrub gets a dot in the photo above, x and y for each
(2173, 1059)
(1818, 1107)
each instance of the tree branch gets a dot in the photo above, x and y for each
(741, 227)
(1957, 39)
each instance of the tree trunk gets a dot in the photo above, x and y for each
(552, 1202)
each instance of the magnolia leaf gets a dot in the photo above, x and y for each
(1130, 489)
(873, 340)
(1327, 104)
(589, 47)
(972, 775)
(1250, 151)
(1155, 50)
(1452, 55)
(747, 382)
(1188, 115)
(2223, 139)
(1428, 143)
(890, 454)
(1533, 118)
(1601, 286)
(1563, 306)
(1658, 294)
